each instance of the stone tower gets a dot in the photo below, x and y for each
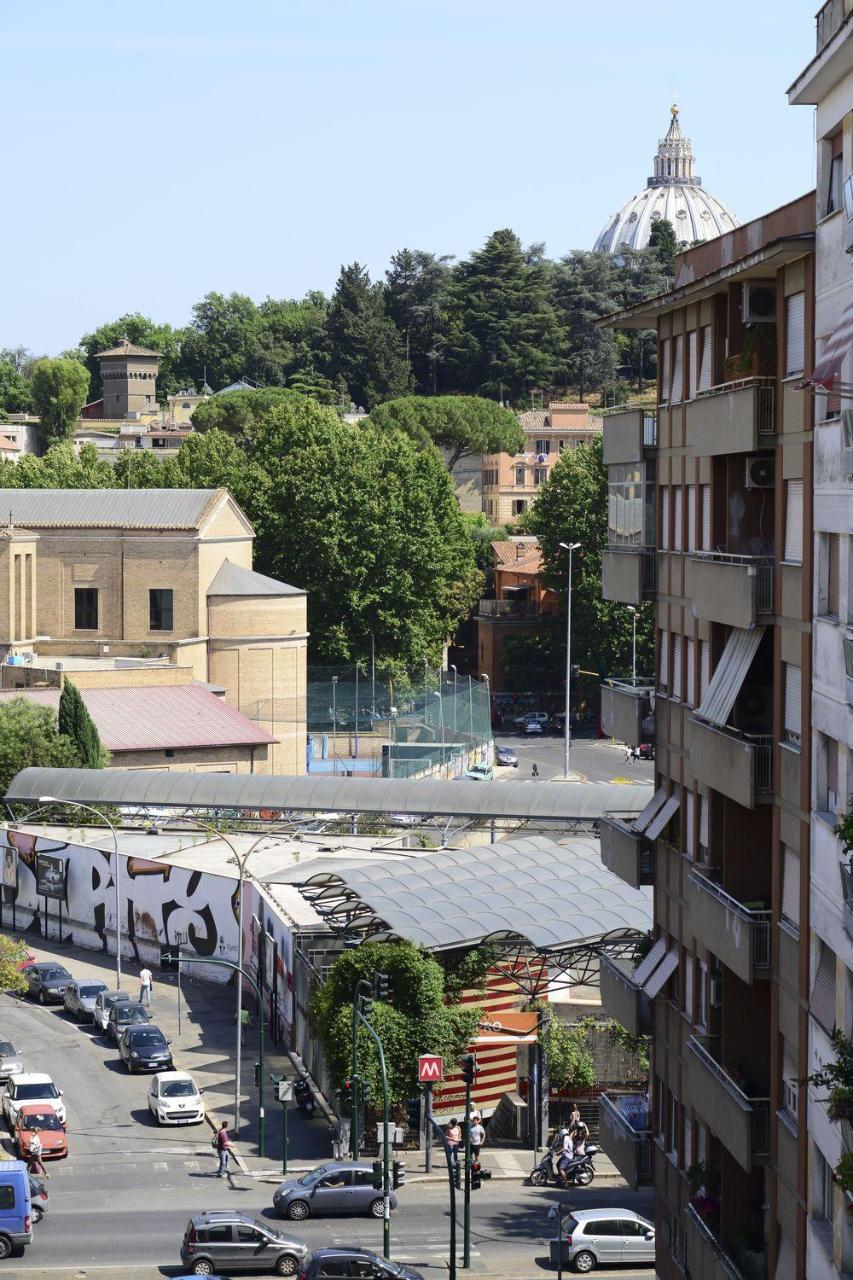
(129, 375)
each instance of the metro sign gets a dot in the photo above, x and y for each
(430, 1068)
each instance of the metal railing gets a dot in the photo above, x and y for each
(724, 1262)
(766, 389)
(762, 565)
(763, 743)
(642, 689)
(828, 21)
(508, 609)
(758, 1107)
(759, 921)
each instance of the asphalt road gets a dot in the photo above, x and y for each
(123, 1197)
(595, 759)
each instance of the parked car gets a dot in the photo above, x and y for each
(80, 996)
(39, 1118)
(47, 982)
(606, 1236)
(236, 1242)
(38, 1198)
(534, 726)
(338, 1187)
(144, 1048)
(125, 1013)
(10, 1060)
(175, 1098)
(29, 959)
(531, 717)
(31, 1087)
(16, 1214)
(103, 1003)
(480, 773)
(646, 751)
(355, 1262)
(506, 756)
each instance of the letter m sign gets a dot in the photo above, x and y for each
(430, 1068)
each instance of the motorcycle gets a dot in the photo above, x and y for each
(304, 1096)
(580, 1170)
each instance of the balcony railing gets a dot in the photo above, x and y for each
(628, 572)
(725, 1266)
(508, 609)
(759, 1107)
(731, 417)
(764, 389)
(758, 568)
(758, 922)
(625, 1120)
(738, 764)
(828, 21)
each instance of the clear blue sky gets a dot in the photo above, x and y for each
(158, 150)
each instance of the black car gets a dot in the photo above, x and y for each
(125, 1014)
(46, 982)
(364, 1263)
(144, 1048)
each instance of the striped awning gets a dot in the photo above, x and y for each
(667, 967)
(828, 368)
(727, 680)
(649, 962)
(662, 817)
(643, 819)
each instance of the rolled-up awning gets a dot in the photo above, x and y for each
(727, 680)
(828, 368)
(662, 817)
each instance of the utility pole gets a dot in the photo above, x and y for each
(633, 613)
(468, 1062)
(380, 990)
(570, 547)
(451, 1178)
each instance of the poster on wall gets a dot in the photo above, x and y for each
(51, 877)
(10, 867)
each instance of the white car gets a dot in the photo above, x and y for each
(104, 1001)
(175, 1098)
(31, 1086)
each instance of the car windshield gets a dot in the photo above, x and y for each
(126, 1013)
(37, 1090)
(115, 997)
(90, 991)
(7, 1049)
(178, 1089)
(151, 1036)
(41, 1120)
(314, 1176)
(49, 974)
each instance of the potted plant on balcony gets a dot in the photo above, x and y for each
(704, 1185)
(842, 1176)
(757, 355)
(844, 829)
(837, 1077)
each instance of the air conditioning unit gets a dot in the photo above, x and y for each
(715, 992)
(759, 303)
(760, 472)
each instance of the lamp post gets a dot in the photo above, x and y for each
(356, 709)
(570, 547)
(471, 713)
(78, 804)
(633, 613)
(555, 1214)
(334, 725)
(437, 694)
(455, 674)
(426, 686)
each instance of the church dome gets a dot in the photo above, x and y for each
(673, 192)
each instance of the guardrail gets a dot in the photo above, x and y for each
(759, 1107)
(763, 566)
(761, 921)
(766, 389)
(727, 1267)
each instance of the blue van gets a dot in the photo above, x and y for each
(16, 1220)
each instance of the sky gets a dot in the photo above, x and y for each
(157, 151)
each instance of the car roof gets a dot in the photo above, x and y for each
(344, 1249)
(133, 1004)
(227, 1215)
(118, 995)
(39, 1107)
(174, 1075)
(589, 1215)
(48, 964)
(32, 1077)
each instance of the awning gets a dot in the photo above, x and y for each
(649, 962)
(667, 967)
(643, 820)
(828, 367)
(662, 817)
(725, 685)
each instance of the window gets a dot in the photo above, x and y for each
(794, 521)
(790, 1078)
(791, 886)
(519, 475)
(831, 775)
(692, 363)
(543, 446)
(691, 517)
(540, 475)
(160, 609)
(822, 1002)
(663, 651)
(519, 506)
(248, 1235)
(363, 1178)
(688, 985)
(830, 575)
(795, 334)
(690, 823)
(677, 517)
(705, 367)
(664, 519)
(823, 1185)
(220, 1234)
(702, 995)
(7, 1196)
(678, 370)
(793, 705)
(625, 505)
(704, 841)
(690, 691)
(604, 1227)
(833, 185)
(85, 609)
(676, 666)
(705, 495)
(672, 1145)
(664, 371)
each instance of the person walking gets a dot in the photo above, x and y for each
(146, 981)
(34, 1161)
(478, 1135)
(535, 770)
(223, 1147)
(453, 1134)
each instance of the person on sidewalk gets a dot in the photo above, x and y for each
(453, 1134)
(146, 981)
(223, 1146)
(34, 1161)
(478, 1135)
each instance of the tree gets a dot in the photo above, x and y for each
(459, 425)
(416, 285)
(585, 288)
(570, 1063)
(222, 339)
(572, 507)
(145, 333)
(662, 239)
(13, 953)
(16, 395)
(59, 391)
(237, 412)
(365, 347)
(29, 736)
(77, 725)
(415, 1019)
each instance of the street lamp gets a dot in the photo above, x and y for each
(570, 547)
(633, 613)
(78, 804)
(334, 724)
(455, 674)
(555, 1214)
(440, 720)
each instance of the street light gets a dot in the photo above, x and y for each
(78, 804)
(334, 724)
(455, 674)
(441, 721)
(555, 1214)
(570, 547)
(633, 613)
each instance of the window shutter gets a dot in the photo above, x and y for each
(688, 985)
(704, 668)
(794, 521)
(831, 774)
(664, 368)
(691, 517)
(791, 886)
(822, 1002)
(664, 660)
(703, 821)
(690, 820)
(706, 517)
(832, 574)
(678, 370)
(705, 368)
(795, 347)
(678, 521)
(793, 695)
(690, 691)
(664, 519)
(675, 691)
(692, 360)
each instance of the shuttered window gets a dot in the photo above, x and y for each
(663, 649)
(692, 363)
(664, 371)
(832, 574)
(664, 519)
(688, 985)
(705, 491)
(704, 827)
(691, 517)
(791, 886)
(793, 704)
(822, 1003)
(794, 521)
(705, 367)
(677, 369)
(677, 517)
(795, 333)
(690, 823)
(675, 690)
(704, 668)
(831, 775)
(690, 690)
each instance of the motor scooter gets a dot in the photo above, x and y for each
(304, 1096)
(580, 1170)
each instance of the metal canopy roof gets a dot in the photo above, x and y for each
(554, 897)
(558, 802)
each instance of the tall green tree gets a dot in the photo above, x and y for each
(416, 295)
(585, 288)
(458, 425)
(16, 393)
(76, 724)
(29, 736)
(59, 389)
(237, 412)
(366, 349)
(145, 333)
(663, 241)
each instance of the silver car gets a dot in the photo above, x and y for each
(607, 1237)
(80, 996)
(342, 1186)
(10, 1060)
(103, 1003)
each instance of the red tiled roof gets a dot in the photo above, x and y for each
(158, 717)
(509, 555)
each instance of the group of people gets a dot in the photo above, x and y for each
(569, 1144)
(455, 1137)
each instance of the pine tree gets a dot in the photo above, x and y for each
(662, 240)
(585, 286)
(76, 723)
(416, 300)
(366, 348)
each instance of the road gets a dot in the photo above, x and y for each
(594, 759)
(128, 1187)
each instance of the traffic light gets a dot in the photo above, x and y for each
(366, 1003)
(476, 1174)
(469, 1068)
(398, 1173)
(457, 1175)
(377, 1175)
(413, 1113)
(257, 1075)
(346, 1091)
(380, 986)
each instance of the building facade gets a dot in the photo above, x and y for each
(710, 520)
(523, 606)
(511, 482)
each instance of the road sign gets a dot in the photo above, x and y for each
(285, 1090)
(430, 1068)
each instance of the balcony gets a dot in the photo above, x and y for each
(738, 935)
(622, 998)
(828, 21)
(625, 852)
(741, 1123)
(623, 1121)
(626, 711)
(628, 574)
(627, 432)
(731, 589)
(738, 765)
(733, 417)
(706, 1257)
(514, 610)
